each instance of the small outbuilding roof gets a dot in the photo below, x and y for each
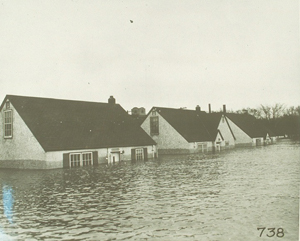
(72, 125)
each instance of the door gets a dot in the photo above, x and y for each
(114, 157)
(258, 142)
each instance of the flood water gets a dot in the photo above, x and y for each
(223, 197)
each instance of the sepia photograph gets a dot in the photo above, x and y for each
(149, 120)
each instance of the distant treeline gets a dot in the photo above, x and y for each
(282, 120)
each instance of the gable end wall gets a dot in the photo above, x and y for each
(240, 135)
(226, 133)
(168, 137)
(22, 149)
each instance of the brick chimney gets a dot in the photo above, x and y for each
(209, 108)
(224, 109)
(111, 100)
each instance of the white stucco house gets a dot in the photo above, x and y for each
(247, 130)
(40, 133)
(187, 131)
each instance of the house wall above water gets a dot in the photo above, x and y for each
(22, 145)
(241, 138)
(226, 132)
(168, 137)
(41, 132)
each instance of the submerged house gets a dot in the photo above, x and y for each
(184, 131)
(53, 133)
(218, 123)
(247, 130)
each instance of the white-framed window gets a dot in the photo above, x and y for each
(8, 124)
(139, 154)
(202, 146)
(87, 158)
(75, 159)
(81, 159)
(154, 125)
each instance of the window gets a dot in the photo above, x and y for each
(154, 127)
(87, 159)
(8, 124)
(7, 105)
(139, 154)
(81, 159)
(75, 160)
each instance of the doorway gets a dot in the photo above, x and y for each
(114, 157)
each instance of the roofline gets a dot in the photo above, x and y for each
(82, 101)
(49, 149)
(15, 110)
(211, 138)
(171, 109)
(3, 102)
(165, 120)
(35, 97)
(251, 136)
(229, 127)
(220, 134)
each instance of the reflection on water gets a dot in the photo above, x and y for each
(223, 197)
(8, 202)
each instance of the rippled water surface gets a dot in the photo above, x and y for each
(223, 197)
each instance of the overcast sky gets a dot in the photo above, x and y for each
(173, 53)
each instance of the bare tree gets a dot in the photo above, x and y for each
(292, 110)
(266, 111)
(250, 111)
(277, 110)
(255, 112)
(297, 110)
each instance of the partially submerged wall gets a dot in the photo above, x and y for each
(22, 150)
(241, 138)
(168, 137)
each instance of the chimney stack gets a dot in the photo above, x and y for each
(198, 109)
(209, 108)
(224, 109)
(111, 100)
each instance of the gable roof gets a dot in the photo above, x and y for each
(249, 124)
(190, 124)
(71, 125)
(211, 122)
(139, 119)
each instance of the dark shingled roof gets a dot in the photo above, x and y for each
(194, 126)
(250, 125)
(211, 122)
(139, 119)
(70, 125)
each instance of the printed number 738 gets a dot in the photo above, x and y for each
(272, 232)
